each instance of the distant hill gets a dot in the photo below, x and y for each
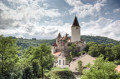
(25, 43)
(99, 39)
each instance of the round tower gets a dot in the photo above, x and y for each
(75, 31)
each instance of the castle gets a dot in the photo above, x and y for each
(60, 49)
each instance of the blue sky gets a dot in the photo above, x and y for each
(44, 19)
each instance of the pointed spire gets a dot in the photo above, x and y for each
(75, 23)
(59, 35)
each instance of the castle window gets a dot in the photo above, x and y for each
(76, 27)
(75, 68)
(59, 62)
(63, 62)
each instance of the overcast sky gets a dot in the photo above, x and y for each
(44, 19)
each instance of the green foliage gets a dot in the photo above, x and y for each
(35, 69)
(96, 49)
(27, 74)
(34, 60)
(110, 51)
(116, 51)
(99, 39)
(102, 69)
(62, 75)
(38, 59)
(8, 56)
(73, 52)
(26, 43)
(80, 67)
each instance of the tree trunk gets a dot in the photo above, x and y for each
(42, 72)
(42, 64)
(2, 64)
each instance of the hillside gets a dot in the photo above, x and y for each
(99, 39)
(25, 43)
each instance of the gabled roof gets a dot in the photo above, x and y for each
(85, 59)
(75, 22)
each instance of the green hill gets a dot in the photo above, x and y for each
(25, 43)
(99, 39)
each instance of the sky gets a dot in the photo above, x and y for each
(44, 19)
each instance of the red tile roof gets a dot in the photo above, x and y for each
(57, 54)
(55, 44)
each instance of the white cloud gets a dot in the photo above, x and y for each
(102, 27)
(25, 11)
(116, 10)
(83, 10)
(32, 30)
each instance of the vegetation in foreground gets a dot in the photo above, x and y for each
(60, 73)
(102, 69)
(37, 62)
(27, 64)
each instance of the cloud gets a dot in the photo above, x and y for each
(116, 10)
(83, 10)
(102, 27)
(21, 12)
(32, 30)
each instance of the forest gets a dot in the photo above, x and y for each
(25, 43)
(35, 61)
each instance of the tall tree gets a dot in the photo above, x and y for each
(108, 52)
(44, 56)
(116, 51)
(96, 49)
(8, 55)
(80, 67)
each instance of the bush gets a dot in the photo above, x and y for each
(27, 73)
(61, 75)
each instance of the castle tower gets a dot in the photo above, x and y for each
(75, 31)
(57, 39)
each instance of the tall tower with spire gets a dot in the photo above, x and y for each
(75, 31)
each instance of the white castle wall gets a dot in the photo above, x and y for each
(75, 33)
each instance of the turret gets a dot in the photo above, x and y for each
(57, 39)
(75, 31)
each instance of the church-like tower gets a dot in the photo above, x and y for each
(75, 31)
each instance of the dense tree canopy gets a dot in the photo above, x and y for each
(8, 56)
(102, 69)
(25, 43)
(35, 58)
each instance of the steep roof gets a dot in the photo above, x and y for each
(75, 22)
(59, 35)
